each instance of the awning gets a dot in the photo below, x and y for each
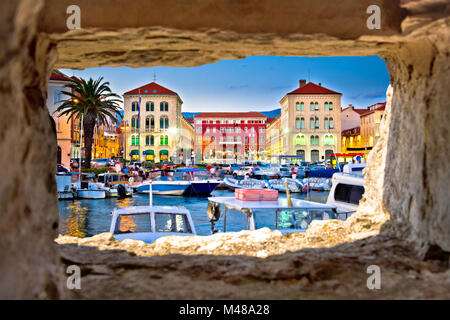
(135, 152)
(148, 152)
(164, 152)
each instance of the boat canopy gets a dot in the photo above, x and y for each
(191, 170)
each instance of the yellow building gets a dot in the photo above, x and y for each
(310, 122)
(370, 124)
(106, 142)
(273, 138)
(56, 85)
(156, 131)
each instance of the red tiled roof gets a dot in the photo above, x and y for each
(361, 111)
(351, 131)
(312, 88)
(230, 115)
(58, 75)
(380, 106)
(151, 88)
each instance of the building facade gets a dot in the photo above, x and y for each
(230, 137)
(106, 141)
(370, 124)
(154, 130)
(351, 117)
(310, 122)
(63, 127)
(273, 139)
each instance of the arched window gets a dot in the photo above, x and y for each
(311, 106)
(300, 140)
(150, 106)
(330, 106)
(133, 122)
(316, 106)
(164, 122)
(297, 123)
(331, 123)
(152, 140)
(161, 140)
(297, 106)
(166, 140)
(133, 140)
(134, 106)
(317, 140)
(302, 106)
(326, 106)
(302, 123)
(312, 140)
(311, 123)
(147, 123)
(297, 140)
(317, 123)
(325, 124)
(163, 106)
(326, 140)
(331, 140)
(147, 140)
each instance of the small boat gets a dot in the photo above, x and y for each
(201, 183)
(164, 186)
(244, 184)
(320, 184)
(347, 190)
(294, 185)
(64, 186)
(88, 190)
(110, 183)
(148, 223)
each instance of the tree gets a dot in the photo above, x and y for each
(94, 102)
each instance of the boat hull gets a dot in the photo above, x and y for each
(65, 195)
(91, 194)
(201, 188)
(164, 189)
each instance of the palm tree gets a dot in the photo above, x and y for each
(93, 102)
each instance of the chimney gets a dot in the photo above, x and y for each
(302, 83)
(320, 83)
(351, 106)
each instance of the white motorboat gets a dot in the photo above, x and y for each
(110, 183)
(244, 184)
(64, 186)
(88, 190)
(148, 223)
(321, 184)
(347, 189)
(294, 185)
(164, 186)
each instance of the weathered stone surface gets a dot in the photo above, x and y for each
(29, 265)
(314, 273)
(410, 187)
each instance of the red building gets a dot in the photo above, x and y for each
(230, 137)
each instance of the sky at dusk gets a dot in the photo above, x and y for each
(255, 83)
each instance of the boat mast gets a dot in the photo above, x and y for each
(81, 148)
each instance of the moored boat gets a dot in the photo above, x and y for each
(64, 186)
(244, 184)
(88, 190)
(294, 185)
(201, 183)
(110, 183)
(164, 186)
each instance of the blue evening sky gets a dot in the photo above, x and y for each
(255, 83)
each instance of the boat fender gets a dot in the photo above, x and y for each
(122, 191)
(213, 211)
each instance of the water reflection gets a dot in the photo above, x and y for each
(85, 218)
(74, 221)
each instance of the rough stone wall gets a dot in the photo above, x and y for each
(29, 212)
(411, 187)
(417, 171)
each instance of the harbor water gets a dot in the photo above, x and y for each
(85, 217)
